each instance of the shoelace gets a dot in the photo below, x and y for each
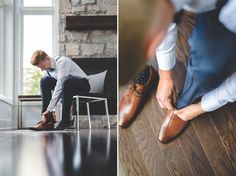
(141, 79)
(133, 89)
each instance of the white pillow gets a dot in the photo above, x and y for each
(96, 82)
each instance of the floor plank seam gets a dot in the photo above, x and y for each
(146, 165)
(181, 146)
(193, 123)
(156, 133)
(159, 144)
(221, 140)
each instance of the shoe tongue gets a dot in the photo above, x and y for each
(143, 77)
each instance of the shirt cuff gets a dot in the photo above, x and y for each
(51, 108)
(209, 102)
(166, 61)
(226, 16)
(178, 5)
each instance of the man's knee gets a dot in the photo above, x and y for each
(207, 74)
(45, 81)
(67, 82)
(209, 70)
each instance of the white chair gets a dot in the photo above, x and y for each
(96, 82)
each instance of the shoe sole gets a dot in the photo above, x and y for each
(45, 129)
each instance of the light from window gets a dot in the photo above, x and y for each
(37, 3)
(1, 50)
(37, 36)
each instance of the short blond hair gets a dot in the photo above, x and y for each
(37, 57)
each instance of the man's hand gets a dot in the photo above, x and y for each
(190, 112)
(45, 115)
(166, 92)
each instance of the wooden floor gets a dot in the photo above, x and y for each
(58, 153)
(206, 148)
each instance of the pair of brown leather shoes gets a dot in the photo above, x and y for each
(171, 127)
(131, 103)
(134, 97)
(45, 124)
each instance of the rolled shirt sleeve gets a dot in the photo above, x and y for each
(227, 15)
(196, 6)
(63, 71)
(220, 96)
(165, 52)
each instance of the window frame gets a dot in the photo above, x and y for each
(2, 21)
(20, 12)
(36, 6)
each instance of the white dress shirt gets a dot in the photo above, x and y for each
(63, 67)
(165, 52)
(223, 94)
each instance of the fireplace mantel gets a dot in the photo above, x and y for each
(80, 23)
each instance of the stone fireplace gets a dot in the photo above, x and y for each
(97, 42)
(87, 43)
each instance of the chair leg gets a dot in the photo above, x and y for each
(77, 113)
(89, 118)
(60, 116)
(21, 115)
(108, 146)
(89, 142)
(18, 117)
(108, 118)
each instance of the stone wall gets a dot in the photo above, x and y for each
(96, 43)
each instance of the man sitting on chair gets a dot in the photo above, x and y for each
(66, 79)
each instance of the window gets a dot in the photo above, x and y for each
(37, 21)
(37, 3)
(37, 35)
(1, 49)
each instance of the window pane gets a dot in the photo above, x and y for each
(1, 50)
(37, 36)
(37, 3)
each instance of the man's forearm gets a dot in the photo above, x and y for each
(165, 74)
(55, 97)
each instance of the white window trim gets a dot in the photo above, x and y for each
(20, 12)
(2, 20)
(5, 100)
(6, 56)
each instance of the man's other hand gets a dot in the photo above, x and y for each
(190, 111)
(45, 115)
(166, 92)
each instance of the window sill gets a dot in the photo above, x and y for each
(6, 100)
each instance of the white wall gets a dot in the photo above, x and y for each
(9, 52)
(6, 115)
(7, 97)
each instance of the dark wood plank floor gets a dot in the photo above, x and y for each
(206, 148)
(58, 153)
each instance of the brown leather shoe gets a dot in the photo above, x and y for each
(51, 117)
(46, 124)
(171, 127)
(133, 98)
(43, 125)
